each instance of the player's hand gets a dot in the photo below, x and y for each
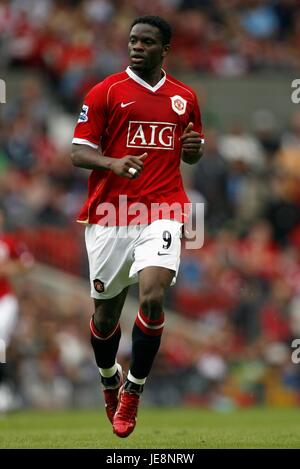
(122, 166)
(191, 140)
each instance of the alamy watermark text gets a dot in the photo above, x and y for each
(2, 91)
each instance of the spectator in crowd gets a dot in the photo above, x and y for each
(15, 260)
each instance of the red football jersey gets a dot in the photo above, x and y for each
(124, 115)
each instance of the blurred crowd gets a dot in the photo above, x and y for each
(242, 288)
(76, 42)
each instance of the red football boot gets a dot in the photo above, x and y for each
(111, 394)
(125, 416)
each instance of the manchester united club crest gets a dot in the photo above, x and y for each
(98, 285)
(178, 104)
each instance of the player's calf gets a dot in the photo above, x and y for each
(105, 348)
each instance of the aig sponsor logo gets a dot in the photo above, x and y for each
(2, 92)
(146, 134)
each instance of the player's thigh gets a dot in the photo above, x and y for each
(153, 282)
(110, 255)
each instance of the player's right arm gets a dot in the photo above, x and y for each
(83, 156)
(91, 125)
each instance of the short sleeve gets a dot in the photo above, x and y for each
(92, 118)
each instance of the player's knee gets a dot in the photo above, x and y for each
(103, 322)
(152, 304)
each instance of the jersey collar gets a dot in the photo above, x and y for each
(142, 82)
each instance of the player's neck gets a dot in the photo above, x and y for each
(152, 77)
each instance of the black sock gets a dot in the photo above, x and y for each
(105, 347)
(133, 387)
(112, 382)
(146, 337)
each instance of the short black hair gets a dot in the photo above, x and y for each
(163, 26)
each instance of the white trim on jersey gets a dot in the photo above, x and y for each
(82, 141)
(142, 82)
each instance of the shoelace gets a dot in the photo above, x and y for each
(128, 409)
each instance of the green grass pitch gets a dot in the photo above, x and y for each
(156, 428)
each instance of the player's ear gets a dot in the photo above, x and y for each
(165, 51)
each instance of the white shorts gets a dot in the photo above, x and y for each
(8, 316)
(117, 253)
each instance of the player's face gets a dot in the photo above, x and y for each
(145, 48)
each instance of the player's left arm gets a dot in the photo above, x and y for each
(192, 145)
(192, 138)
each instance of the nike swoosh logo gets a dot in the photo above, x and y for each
(127, 104)
(163, 253)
